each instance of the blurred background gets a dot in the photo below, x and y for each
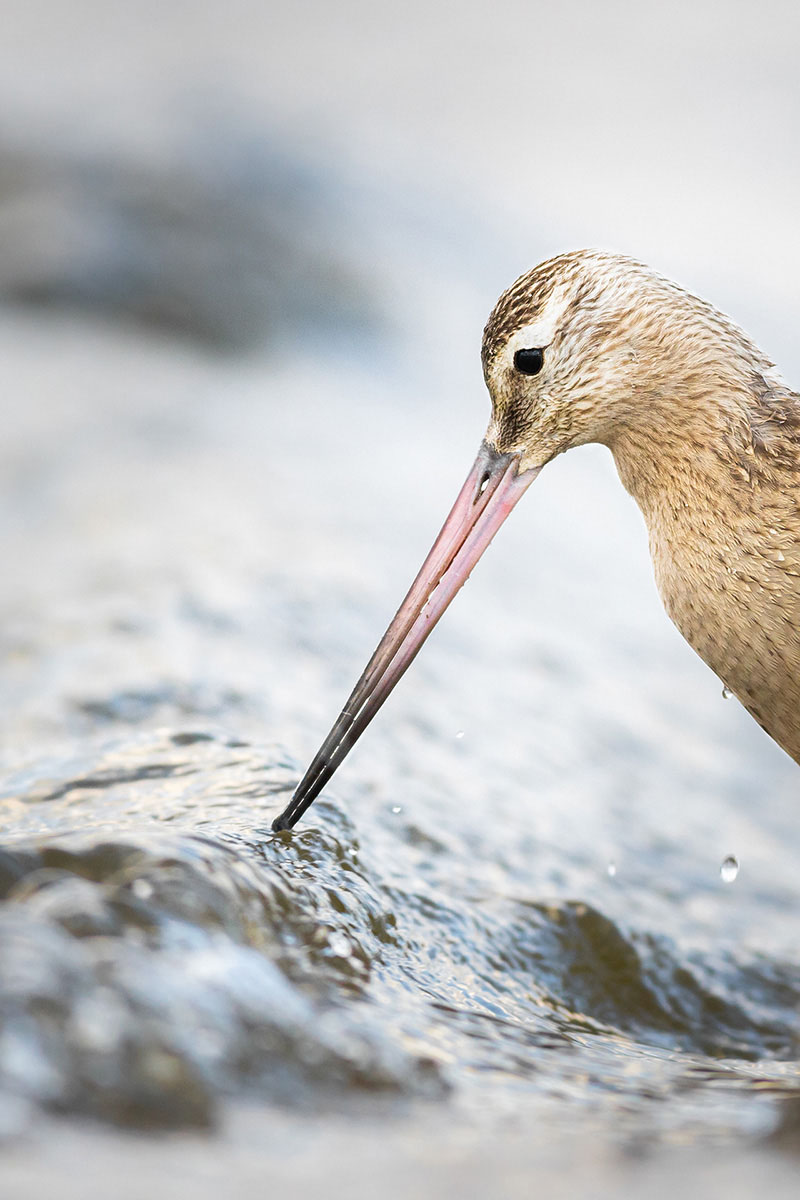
(246, 255)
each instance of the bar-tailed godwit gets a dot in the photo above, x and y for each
(595, 347)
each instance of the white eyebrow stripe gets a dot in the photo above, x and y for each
(540, 332)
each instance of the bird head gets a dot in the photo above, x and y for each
(593, 347)
(561, 355)
(579, 349)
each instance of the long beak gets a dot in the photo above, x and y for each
(492, 488)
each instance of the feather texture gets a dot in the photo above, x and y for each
(706, 438)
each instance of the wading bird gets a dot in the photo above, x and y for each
(596, 347)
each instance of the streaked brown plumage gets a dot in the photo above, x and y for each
(705, 436)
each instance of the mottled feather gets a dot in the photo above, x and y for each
(706, 438)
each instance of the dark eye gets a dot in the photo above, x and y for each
(529, 362)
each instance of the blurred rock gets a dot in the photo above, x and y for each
(228, 242)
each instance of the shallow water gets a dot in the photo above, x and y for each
(511, 897)
(503, 941)
(160, 949)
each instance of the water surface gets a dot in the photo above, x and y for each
(507, 920)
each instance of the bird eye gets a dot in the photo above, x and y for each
(529, 362)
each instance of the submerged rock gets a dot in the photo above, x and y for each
(228, 240)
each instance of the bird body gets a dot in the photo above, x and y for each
(596, 347)
(727, 566)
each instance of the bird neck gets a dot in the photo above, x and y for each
(687, 455)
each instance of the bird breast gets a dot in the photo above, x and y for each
(725, 547)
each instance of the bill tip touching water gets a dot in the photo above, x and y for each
(596, 347)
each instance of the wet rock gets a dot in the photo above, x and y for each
(227, 242)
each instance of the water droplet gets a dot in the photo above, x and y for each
(726, 692)
(397, 808)
(460, 733)
(142, 888)
(339, 945)
(612, 869)
(729, 869)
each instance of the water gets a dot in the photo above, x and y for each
(505, 943)
(162, 950)
(447, 931)
(729, 869)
